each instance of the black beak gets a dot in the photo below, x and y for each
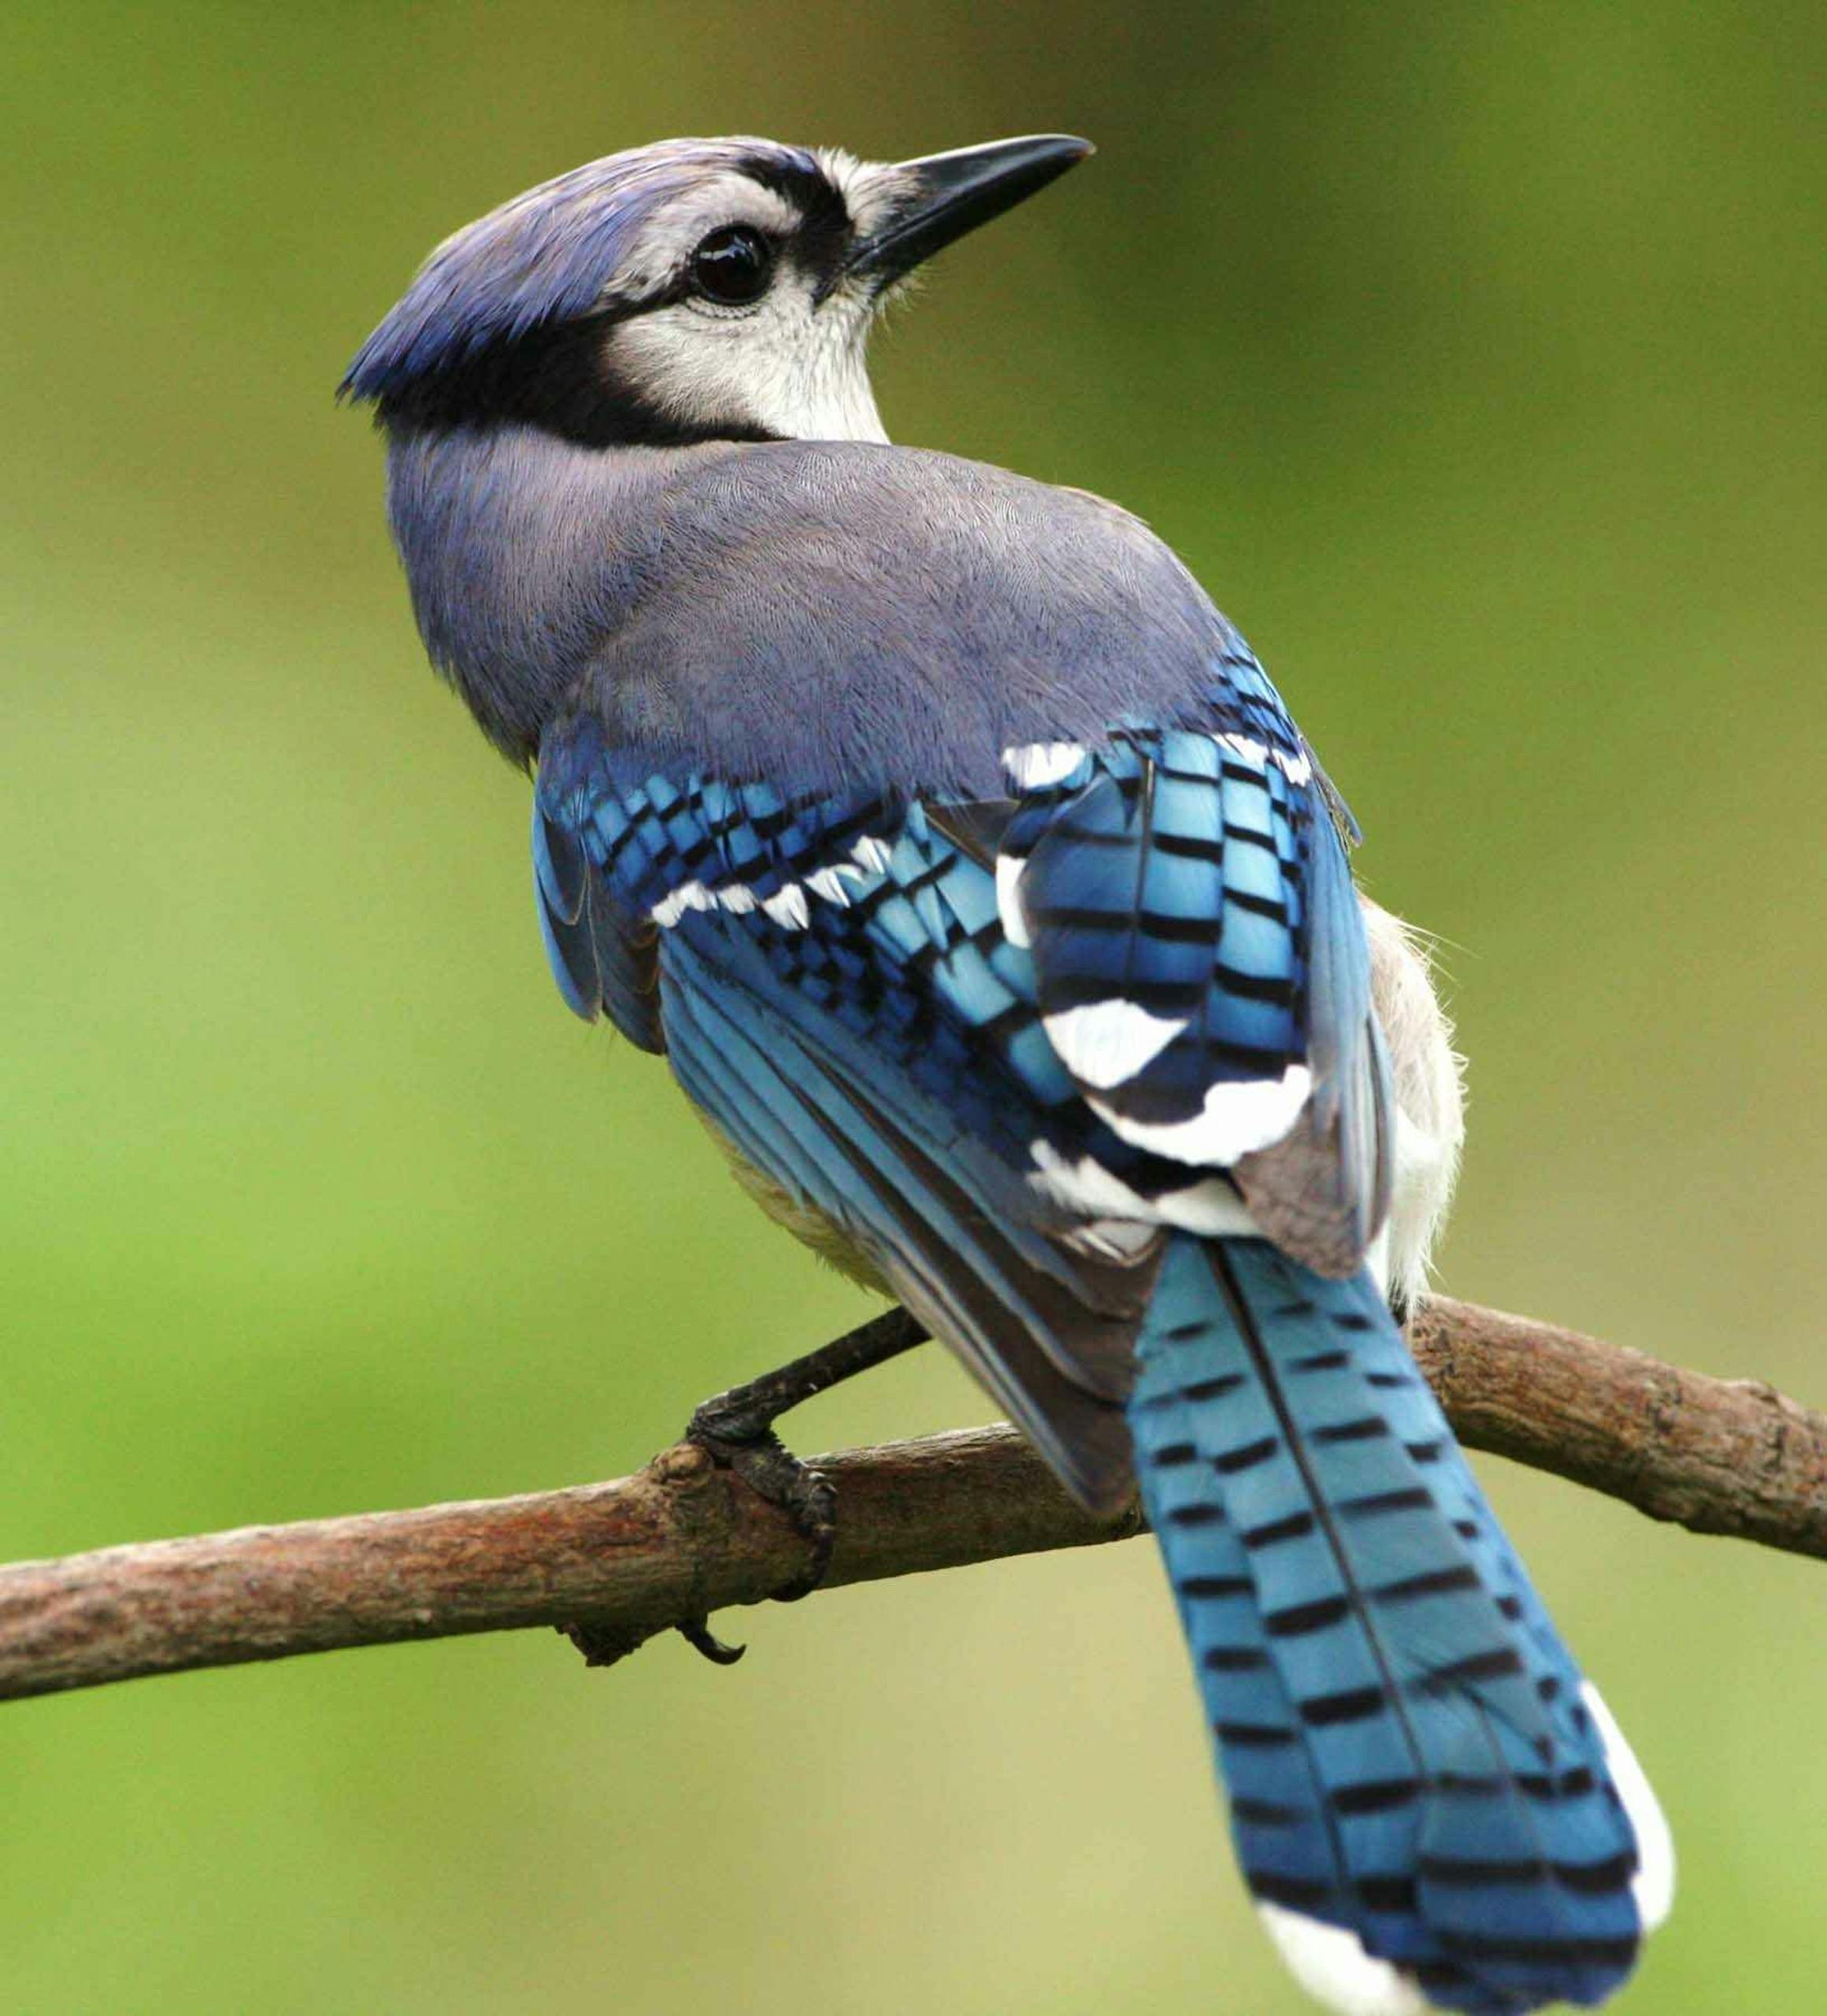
(947, 194)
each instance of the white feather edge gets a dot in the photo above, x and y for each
(1237, 1118)
(1653, 1885)
(1034, 765)
(1331, 1964)
(1296, 769)
(788, 905)
(1210, 1205)
(687, 896)
(1106, 1043)
(1376, 1259)
(1009, 869)
(828, 883)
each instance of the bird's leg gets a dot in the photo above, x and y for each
(736, 1429)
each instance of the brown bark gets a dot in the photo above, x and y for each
(1728, 1456)
(628, 1559)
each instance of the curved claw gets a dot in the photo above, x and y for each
(697, 1633)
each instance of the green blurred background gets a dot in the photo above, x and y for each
(1472, 355)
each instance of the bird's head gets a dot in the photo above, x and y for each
(696, 289)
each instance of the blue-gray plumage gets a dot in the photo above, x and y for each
(967, 869)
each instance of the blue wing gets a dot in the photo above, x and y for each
(872, 999)
(1203, 971)
(1015, 1052)
(832, 993)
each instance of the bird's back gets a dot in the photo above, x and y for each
(821, 613)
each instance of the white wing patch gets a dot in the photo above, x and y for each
(688, 896)
(787, 906)
(1653, 1885)
(1009, 869)
(1034, 765)
(1106, 1043)
(1331, 1964)
(1210, 1207)
(1238, 1118)
(1124, 1240)
(828, 883)
(1296, 769)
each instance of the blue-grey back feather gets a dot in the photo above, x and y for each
(823, 613)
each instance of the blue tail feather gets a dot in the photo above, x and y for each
(1403, 1733)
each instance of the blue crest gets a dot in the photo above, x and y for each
(545, 256)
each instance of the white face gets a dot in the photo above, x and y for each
(787, 363)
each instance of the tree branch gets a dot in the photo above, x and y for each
(1728, 1456)
(645, 1553)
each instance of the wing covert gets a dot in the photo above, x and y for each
(1201, 964)
(835, 994)
(1002, 1046)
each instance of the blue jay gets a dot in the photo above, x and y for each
(963, 864)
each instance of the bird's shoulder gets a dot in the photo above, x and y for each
(832, 613)
(947, 495)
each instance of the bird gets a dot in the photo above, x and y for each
(965, 867)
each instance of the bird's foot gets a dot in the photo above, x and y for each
(735, 1430)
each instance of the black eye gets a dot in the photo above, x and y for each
(733, 265)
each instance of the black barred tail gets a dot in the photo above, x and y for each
(1428, 1803)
